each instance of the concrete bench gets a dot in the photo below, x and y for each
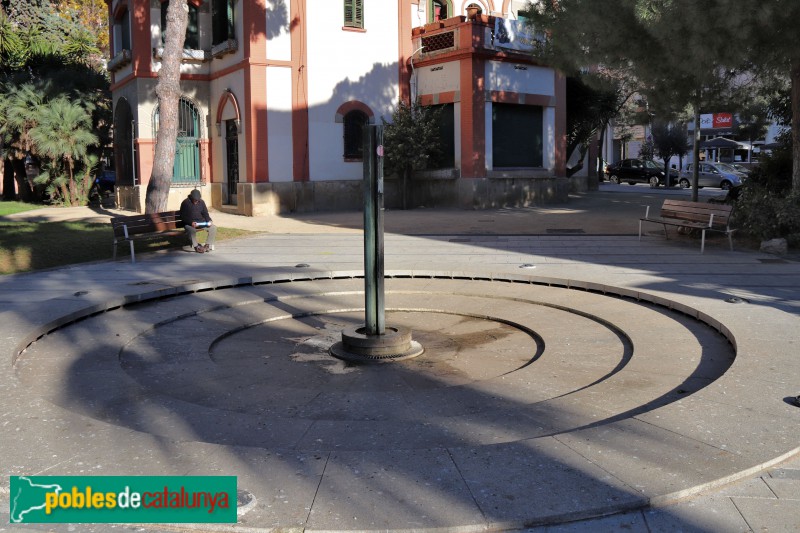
(145, 226)
(693, 215)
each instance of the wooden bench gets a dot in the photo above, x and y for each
(145, 226)
(694, 215)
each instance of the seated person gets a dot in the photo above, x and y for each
(194, 215)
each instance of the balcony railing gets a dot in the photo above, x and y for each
(189, 55)
(119, 60)
(485, 33)
(224, 48)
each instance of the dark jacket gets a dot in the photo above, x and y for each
(191, 212)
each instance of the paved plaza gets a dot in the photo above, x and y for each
(574, 377)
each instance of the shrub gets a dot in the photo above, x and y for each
(767, 207)
(765, 213)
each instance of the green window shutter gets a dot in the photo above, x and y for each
(348, 12)
(354, 13)
(359, 13)
(231, 31)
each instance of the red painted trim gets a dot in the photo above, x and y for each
(353, 105)
(254, 47)
(145, 149)
(142, 60)
(447, 97)
(457, 54)
(242, 65)
(473, 119)
(405, 48)
(355, 30)
(508, 97)
(300, 133)
(111, 27)
(226, 97)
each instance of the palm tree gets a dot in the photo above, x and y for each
(64, 134)
(19, 107)
(11, 47)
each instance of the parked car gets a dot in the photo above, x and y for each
(105, 182)
(720, 175)
(634, 171)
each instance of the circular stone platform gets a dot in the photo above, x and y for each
(531, 403)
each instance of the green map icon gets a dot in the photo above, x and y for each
(27, 502)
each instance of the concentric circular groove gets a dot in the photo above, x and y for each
(492, 353)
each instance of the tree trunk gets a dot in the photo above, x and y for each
(795, 75)
(9, 187)
(579, 165)
(406, 179)
(600, 152)
(24, 191)
(168, 91)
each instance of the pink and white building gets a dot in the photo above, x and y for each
(275, 92)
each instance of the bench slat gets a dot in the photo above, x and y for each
(705, 217)
(141, 226)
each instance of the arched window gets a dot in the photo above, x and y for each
(222, 23)
(480, 9)
(354, 121)
(192, 41)
(439, 10)
(122, 31)
(186, 170)
(123, 143)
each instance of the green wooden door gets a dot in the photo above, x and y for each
(187, 148)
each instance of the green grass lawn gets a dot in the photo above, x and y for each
(7, 208)
(26, 246)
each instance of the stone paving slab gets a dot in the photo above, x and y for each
(741, 418)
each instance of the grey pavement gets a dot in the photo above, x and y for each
(575, 378)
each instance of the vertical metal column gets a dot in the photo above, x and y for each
(374, 303)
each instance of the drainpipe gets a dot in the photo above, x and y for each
(414, 77)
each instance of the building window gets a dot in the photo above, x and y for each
(354, 122)
(439, 10)
(517, 136)
(122, 34)
(354, 13)
(222, 21)
(447, 137)
(186, 170)
(192, 40)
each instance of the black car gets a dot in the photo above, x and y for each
(106, 182)
(634, 171)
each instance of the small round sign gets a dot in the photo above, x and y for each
(379, 150)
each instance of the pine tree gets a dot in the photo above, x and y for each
(168, 91)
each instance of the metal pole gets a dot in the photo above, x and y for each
(370, 289)
(378, 206)
(374, 303)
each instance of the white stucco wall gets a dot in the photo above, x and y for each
(435, 79)
(549, 138)
(344, 66)
(511, 77)
(279, 42)
(279, 121)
